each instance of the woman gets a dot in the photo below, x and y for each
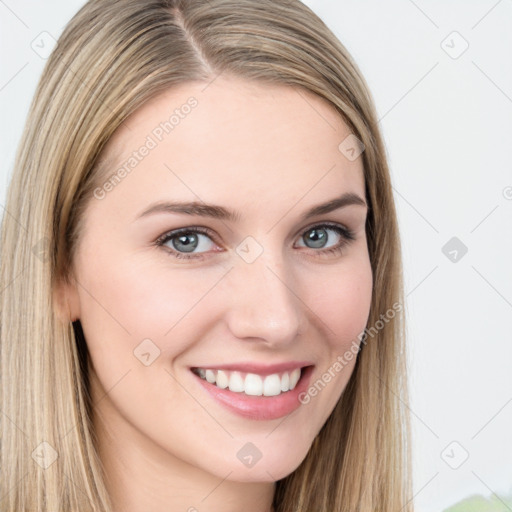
(206, 311)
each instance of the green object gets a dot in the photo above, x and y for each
(481, 504)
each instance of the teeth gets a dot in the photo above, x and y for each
(251, 383)
(272, 385)
(294, 378)
(285, 382)
(222, 380)
(236, 383)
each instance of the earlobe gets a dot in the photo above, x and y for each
(66, 302)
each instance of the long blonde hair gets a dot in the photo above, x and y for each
(113, 56)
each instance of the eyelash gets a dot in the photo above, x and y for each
(346, 234)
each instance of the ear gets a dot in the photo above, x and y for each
(66, 301)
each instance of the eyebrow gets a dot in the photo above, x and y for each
(222, 213)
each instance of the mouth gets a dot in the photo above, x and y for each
(256, 392)
(261, 383)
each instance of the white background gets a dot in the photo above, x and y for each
(447, 123)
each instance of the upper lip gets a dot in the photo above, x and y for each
(260, 369)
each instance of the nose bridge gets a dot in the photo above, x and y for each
(263, 304)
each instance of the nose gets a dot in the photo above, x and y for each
(263, 304)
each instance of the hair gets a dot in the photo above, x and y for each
(113, 56)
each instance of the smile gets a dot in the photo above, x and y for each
(251, 384)
(261, 392)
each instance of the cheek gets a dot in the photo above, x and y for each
(142, 313)
(138, 318)
(342, 301)
(126, 301)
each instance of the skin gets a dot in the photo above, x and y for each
(269, 152)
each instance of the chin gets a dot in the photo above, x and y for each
(270, 469)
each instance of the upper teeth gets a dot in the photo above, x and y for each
(251, 383)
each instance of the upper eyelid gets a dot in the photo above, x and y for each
(326, 223)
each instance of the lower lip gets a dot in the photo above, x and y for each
(260, 407)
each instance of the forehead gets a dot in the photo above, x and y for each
(232, 140)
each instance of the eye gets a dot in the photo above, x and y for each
(317, 237)
(186, 240)
(183, 242)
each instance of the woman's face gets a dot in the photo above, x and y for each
(265, 291)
